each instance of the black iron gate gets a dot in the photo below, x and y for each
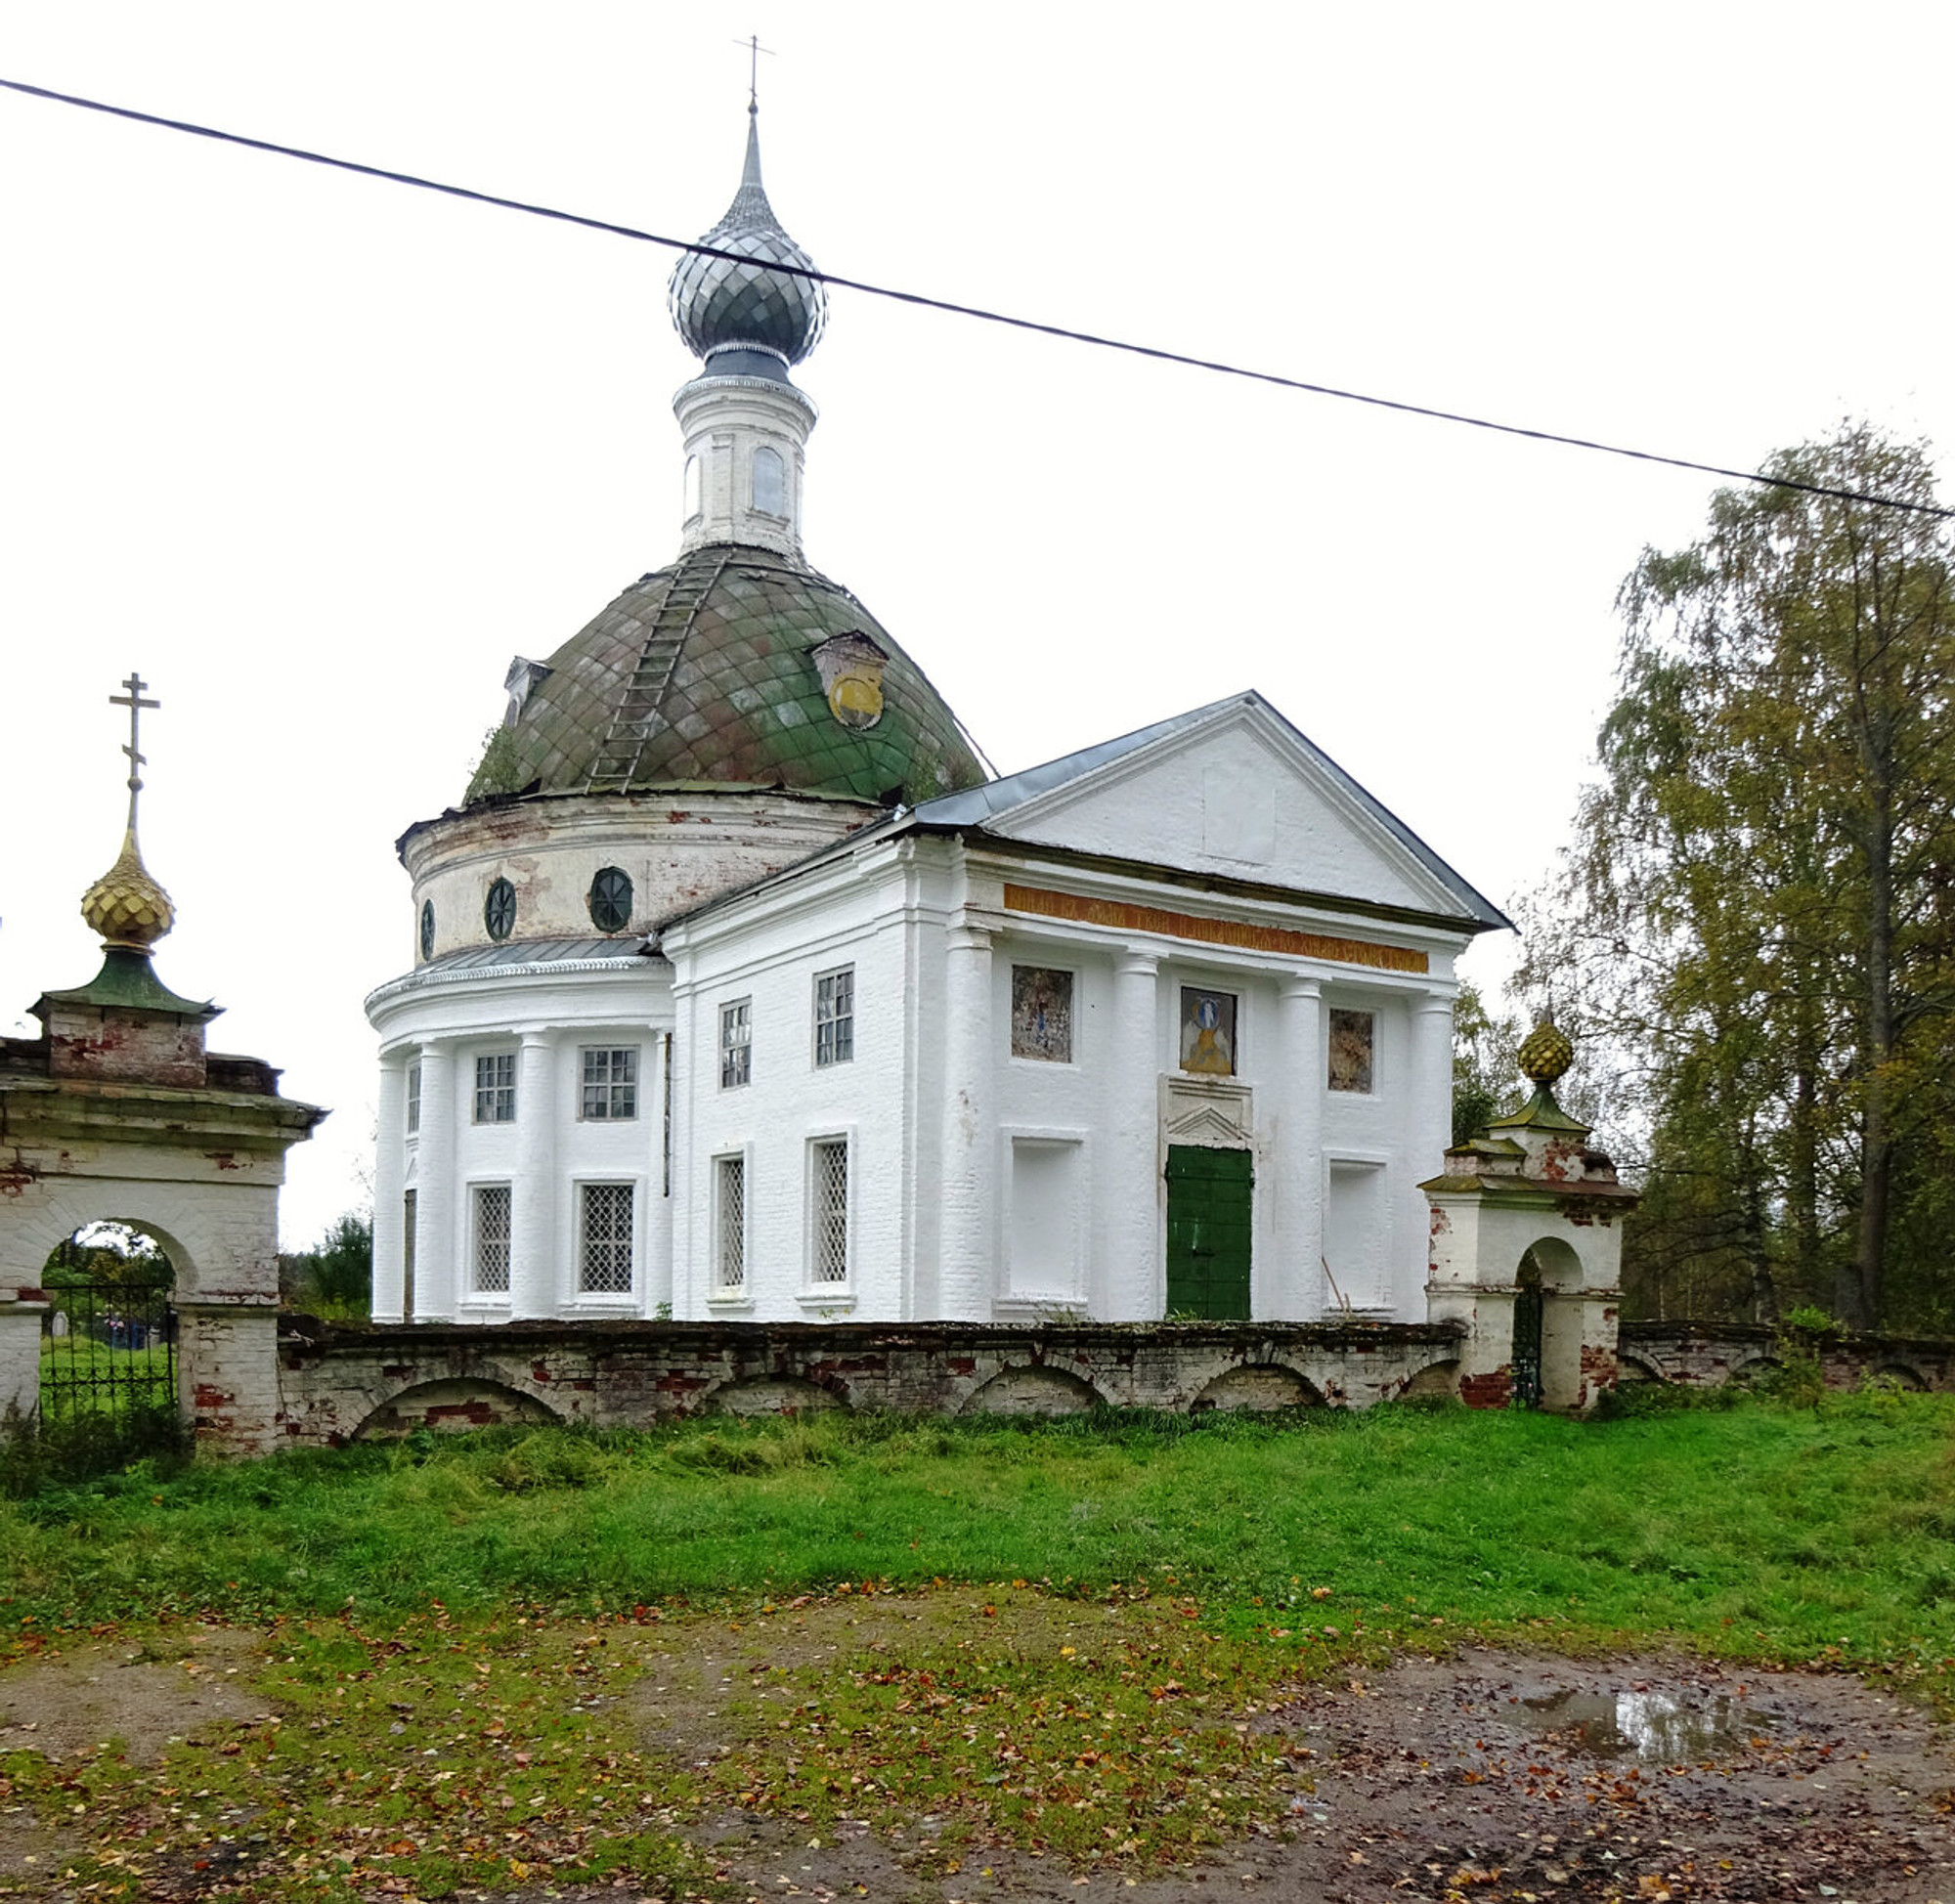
(108, 1348)
(1529, 1307)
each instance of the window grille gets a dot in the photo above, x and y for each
(829, 1257)
(730, 1191)
(610, 899)
(413, 1100)
(611, 1082)
(492, 1240)
(835, 1017)
(499, 910)
(495, 1088)
(736, 1043)
(604, 1267)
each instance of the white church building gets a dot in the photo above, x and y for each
(741, 990)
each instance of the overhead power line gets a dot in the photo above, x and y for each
(979, 312)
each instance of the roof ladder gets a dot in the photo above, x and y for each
(635, 718)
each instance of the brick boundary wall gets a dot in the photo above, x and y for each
(1707, 1354)
(337, 1383)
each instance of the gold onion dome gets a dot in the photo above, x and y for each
(1545, 1053)
(125, 905)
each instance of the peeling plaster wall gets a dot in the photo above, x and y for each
(679, 849)
(1707, 1354)
(336, 1383)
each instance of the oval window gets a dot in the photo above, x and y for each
(498, 913)
(427, 928)
(611, 899)
(770, 483)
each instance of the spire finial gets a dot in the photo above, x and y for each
(754, 51)
(125, 905)
(135, 703)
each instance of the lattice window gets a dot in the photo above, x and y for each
(604, 1253)
(611, 1082)
(495, 1088)
(835, 1017)
(492, 1240)
(729, 1191)
(736, 1043)
(413, 1100)
(828, 1211)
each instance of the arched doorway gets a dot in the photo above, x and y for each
(109, 1330)
(1530, 1310)
(1546, 1360)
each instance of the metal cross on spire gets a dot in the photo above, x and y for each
(135, 703)
(754, 51)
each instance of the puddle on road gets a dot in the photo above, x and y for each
(1683, 1727)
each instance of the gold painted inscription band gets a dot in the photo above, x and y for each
(1124, 917)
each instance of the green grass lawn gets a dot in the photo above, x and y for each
(1800, 1533)
(1048, 1634)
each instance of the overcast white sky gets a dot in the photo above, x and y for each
(318, 454)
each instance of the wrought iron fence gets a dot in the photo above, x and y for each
(108, 1348)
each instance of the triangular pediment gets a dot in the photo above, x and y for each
(1209, 1125)
(1235, 791)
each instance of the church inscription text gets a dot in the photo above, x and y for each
(1125, 917)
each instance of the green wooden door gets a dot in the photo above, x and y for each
(1210, 1201)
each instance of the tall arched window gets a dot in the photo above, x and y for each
(692, 502)
(770, 483)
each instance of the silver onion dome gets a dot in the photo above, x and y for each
(719, 303)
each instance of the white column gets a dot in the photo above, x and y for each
(389, 1179)
(436, 1246)
(1297, 1292)
(967, 1186)
(1429, 1117)
(533, 1253)
(1428, 1130)
(1129, 1164)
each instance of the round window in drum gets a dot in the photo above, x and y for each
(611, 899)
(427, 928)
(499, 910)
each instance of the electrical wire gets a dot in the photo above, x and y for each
(978, 312)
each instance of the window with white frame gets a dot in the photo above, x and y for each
(495, 1088)
(604, 1239)
(491, 1252)
(828, 1211)
(729, 1222)
(413, 1100)
(610, 1083)
(835, 1017)
(736, 1043)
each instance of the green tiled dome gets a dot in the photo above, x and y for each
(705, 673)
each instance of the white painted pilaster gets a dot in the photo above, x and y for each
(1129, 1165)
(968, 1190)
(390, 1168)
(533, 1255)
(1297, 1291)
(664, 1187)
(1428, 1133)
(437, 1250)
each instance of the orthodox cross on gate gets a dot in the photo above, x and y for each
(754, 51)
(135, 703)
